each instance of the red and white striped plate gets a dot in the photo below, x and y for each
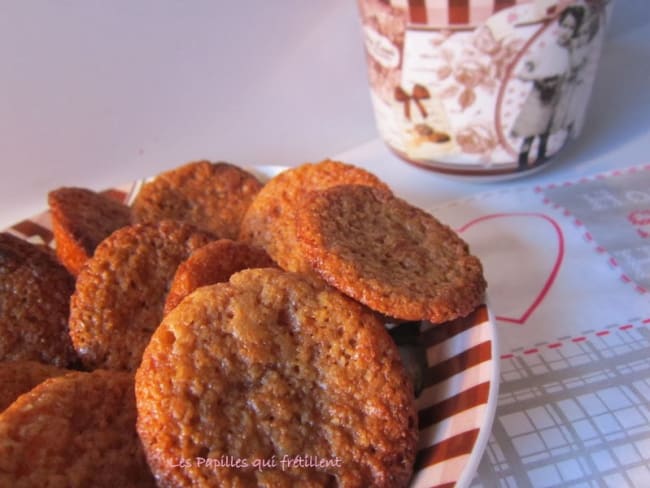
(457, 404)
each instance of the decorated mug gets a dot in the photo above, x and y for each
(481, 87)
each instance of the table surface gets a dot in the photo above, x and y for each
(97, 94)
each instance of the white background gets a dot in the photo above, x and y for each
(96, 93)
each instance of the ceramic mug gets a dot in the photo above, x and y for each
(481, 87)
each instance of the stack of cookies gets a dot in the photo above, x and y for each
(222, 332)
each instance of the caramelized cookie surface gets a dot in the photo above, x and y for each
(269, 222)
(81, 219)
(275, 366)
(120, 294)
(75, 430)
(35, 294)
(393, 257)
(212, 196)
(18, 377)
(214, 263)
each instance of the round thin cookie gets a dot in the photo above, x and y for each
(35, 294)
(389, 255)
(18, 377)
(269, 221)
(76, 430)
(213, 263)
(274, 379)
(120, 293)
(212, 196)
(81, 219)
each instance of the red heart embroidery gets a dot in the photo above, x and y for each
(548, 280)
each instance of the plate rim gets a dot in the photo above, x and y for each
(480, 445)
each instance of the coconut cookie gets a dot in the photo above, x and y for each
(76, 430)
(35, 293)
(389, 255)
(269, 221)
(81, 219)
(120, 293)
(214, 263)
(212, 196)
(274, 379)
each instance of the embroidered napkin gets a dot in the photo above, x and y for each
(568, 270)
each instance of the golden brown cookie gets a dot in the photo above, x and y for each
(389, 255)
(214, 263)
(18, 377)
(274, 379)
(76, 430)
(269, 221)
(212, 196)
(120, 293)
(81, 219)
(35, 293)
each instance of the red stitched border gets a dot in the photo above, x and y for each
(581, 338)
(587, 236)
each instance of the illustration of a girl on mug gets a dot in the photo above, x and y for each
(553, 73)
(570, 111)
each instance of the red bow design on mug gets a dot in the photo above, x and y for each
(419, 93)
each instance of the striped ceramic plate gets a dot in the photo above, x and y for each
(456, 406)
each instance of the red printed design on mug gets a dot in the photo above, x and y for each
(481, 87)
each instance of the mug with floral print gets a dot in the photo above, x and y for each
(481, 87)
